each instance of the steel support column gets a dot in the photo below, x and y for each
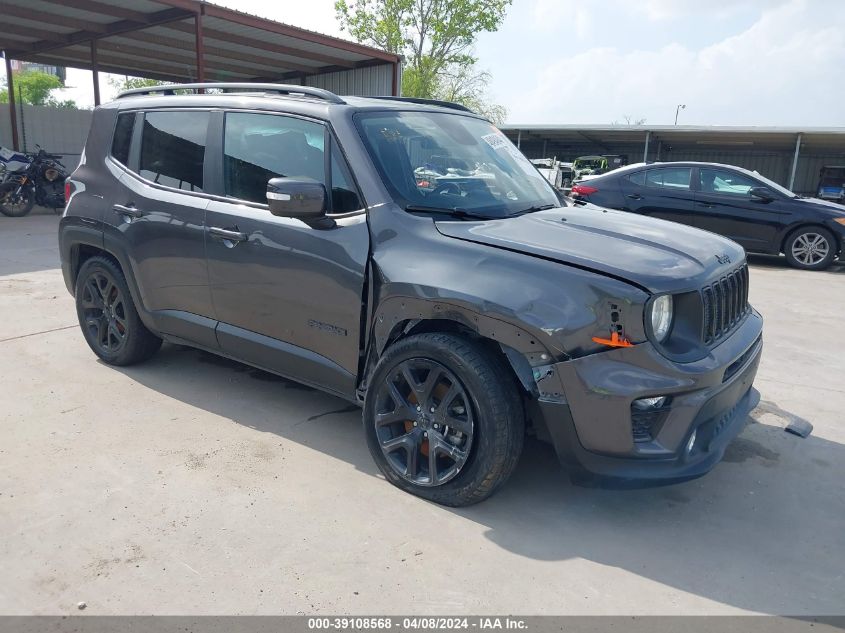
(397, 79)
(794, 162)
(95, 72)
(645, 150)
(13, 115)
(200, 47)
(518, 139)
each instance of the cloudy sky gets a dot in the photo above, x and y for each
(732, 62)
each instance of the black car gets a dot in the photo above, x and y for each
(740, 204)
(408, 258)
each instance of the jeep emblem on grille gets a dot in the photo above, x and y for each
(723, 259)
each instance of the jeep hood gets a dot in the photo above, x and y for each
(657, 255)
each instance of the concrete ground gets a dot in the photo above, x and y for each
(195, 485)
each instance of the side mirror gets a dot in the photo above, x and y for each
(301, 198)
(763, 193)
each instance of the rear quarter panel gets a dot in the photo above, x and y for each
(82, 220)
(609, 192)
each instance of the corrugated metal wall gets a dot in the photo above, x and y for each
(775, 165)
(809, 167)
(370, 81)
(57, 130)
(63, 131)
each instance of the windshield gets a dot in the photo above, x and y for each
(452, 162)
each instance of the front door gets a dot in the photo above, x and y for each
(288, 296)
(724, 206)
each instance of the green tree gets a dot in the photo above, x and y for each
(466, 85)
(130, 83)
(436, 38)
(35, 88)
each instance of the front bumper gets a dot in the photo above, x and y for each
(586, 407)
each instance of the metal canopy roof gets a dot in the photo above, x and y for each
(173, 40)
(684, 136)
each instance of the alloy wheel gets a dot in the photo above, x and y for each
(810, 249)
(104, 312)
(424, 422)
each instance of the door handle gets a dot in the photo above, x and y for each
(706, 205)
(232, 235)
(129, 211)
(635, 196)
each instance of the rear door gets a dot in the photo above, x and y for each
(724, 206)
(660, 192)
(156, 217)
(288, 296)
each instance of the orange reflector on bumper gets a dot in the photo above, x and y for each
(614, 341)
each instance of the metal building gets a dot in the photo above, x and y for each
(792, 157)
(185, 40)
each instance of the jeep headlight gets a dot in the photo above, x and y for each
(661, 317)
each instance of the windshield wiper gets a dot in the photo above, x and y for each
(455, 212)
(537, 207)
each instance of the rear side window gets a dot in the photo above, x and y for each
(669, 178)
(637, 178)
(173, 149)
(123, 137)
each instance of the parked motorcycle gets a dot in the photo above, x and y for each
(31, 179)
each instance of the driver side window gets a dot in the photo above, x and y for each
(723, 181)
(258, 147)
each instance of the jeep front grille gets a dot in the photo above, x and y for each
(724, 304)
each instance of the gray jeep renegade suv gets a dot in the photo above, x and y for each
(407, 257)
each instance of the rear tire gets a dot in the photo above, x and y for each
(810, 248)
(470, 419)
(108, 317)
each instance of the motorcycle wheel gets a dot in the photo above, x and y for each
(16, 206)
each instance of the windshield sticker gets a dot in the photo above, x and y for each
(496, 140)
(499, 142)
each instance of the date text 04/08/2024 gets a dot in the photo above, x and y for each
(416, 623)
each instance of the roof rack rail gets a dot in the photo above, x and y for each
(433, 102)
(282, 89)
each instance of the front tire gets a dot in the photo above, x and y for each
(810, 248)
(443, 419)
(108, 317)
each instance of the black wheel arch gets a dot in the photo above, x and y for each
(80, 243)
(400, 317)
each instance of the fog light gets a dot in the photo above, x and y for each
(691, 442)
(649, 403)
